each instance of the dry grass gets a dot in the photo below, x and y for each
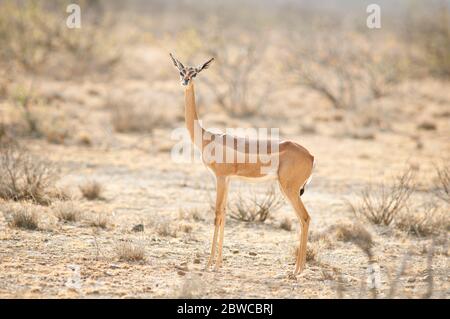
(355, 234)
(128, 251)
(100, 220)
(24, 217)
(429, 220)
(380, 205)
(286, 224)
(249, 209)
(128, 117)
(312, 251)
(91, 190)
(167, 228)
(33, 40)
(442, 188)
(67, 211)
(26, 177)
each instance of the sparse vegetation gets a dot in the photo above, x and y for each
(135, 118)
(249, 209)
(356, 234)
(380, 205)
(34, 41)
(91, 190)
(99, 220)
(442, 182)
(129, 251)
(286, 224)
(166, 229)
(425, 221)
(24, 217)
(67, 211)
(24, 177)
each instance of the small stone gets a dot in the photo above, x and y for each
(181, 273)
(197, 261)
(252, 253)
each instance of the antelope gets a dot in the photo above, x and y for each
(294, 165)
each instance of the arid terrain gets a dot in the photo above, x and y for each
(92, 204)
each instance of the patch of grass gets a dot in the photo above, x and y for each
(67, 212)
(442, 182)
(286, 224)
(100, 220)
(186, 228)
(128, 117)
(24, 177)
(128, 251)
(166, 229)
(428, 221)
(91, 190)
(191, 214)
(380, 205)
(312, 250)
(24, 217)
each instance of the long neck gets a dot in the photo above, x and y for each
(191, 117)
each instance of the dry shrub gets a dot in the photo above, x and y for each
(132, 117)
(167, 229)
(286, 224)
(442, 188)
(186, 228)
(23, 99)
(67, 211)
(380, 205)
(428, 29)
(91, 190)
(341, 67)
(26, 177)
(193, 213)
(24, 217)
(34, 40)
(129, 251)
(100, 220)
(429, 220)
(312, 251)
(355, 234)
(235, 80)
(249, 209)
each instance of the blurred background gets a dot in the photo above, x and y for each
(316, 64)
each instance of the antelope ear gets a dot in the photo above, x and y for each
(177, 63)
(205, 65)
